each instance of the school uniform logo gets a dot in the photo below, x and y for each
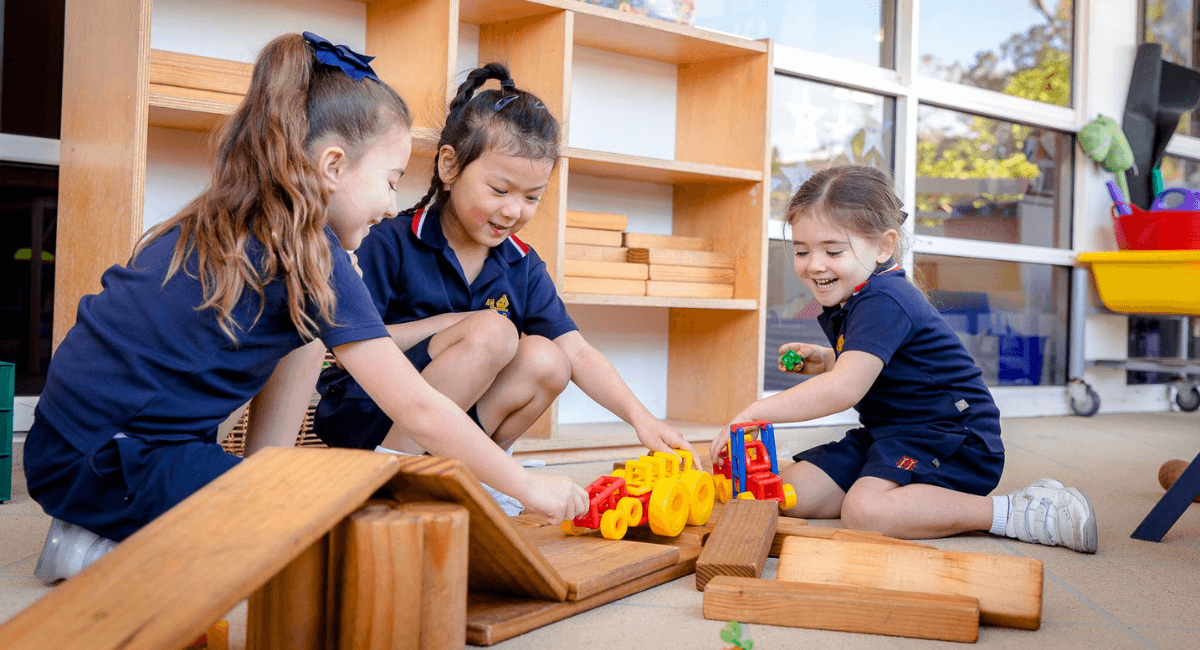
(499, 305)
(841, 342)
(907, 463)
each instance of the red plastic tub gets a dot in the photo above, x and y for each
(1157, 231)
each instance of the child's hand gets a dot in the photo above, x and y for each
(722, 440)
(657, 435)
(556, 497)
(813, 356)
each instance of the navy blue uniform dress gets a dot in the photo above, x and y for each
(412, 273)
(126, 425)
(928, 418)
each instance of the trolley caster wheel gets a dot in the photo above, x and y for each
(1088, 406)
(1188, 398)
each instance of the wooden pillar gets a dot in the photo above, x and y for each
(289, 611)
(102, 168)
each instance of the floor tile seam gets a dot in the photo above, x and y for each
(24, 559)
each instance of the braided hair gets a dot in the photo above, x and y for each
(509, 120)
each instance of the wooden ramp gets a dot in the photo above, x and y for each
(168, 582)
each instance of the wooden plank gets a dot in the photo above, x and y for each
(740, 541)
(591, 564)
(200, 73)
(604, 164)
(681, 258)
(586, 253)
(842, 609)
(493, 618)
(617, 270)
(604, 286)
(1009, 588)
(500, 558)
(290, 610)
(395, 29)
(674, 242)
(256, 519)
(789, 527)
(722, 111)
(597, 220)
(688, 289)
(593, 237)
(672, 273)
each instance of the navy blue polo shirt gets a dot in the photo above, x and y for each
(141, 359)
(928, 377)
(413, 273)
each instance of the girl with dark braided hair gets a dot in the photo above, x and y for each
(472, 305)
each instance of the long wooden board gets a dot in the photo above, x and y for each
(1009, 588)
(167, 583)
(597, 220)
(492, 618)
(591, 564)
(604, 285)
(643, 240)
(588, 253)
(843, 609)
(672, 273)
(740, 541)
(500, 559)
(616, 270)
(688, 289)
(593, 237)
(789, 527)
(681, 258)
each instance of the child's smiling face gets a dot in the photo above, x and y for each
(496, 195)
(832, 261)
(364, 190)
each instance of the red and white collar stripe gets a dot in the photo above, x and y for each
(893, 267)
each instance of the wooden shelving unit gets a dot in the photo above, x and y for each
(719, 172)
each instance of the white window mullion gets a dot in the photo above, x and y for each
(907, 57)
(841, 72)
(990, 103)
(1184, 146)
(28, 149)
(954, 247)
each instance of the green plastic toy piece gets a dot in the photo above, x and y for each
(792, 362)
(1103, 141)
(733, 634)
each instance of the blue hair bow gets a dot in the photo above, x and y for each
(352, 63)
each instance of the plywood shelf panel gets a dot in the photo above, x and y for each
(654, 170)
(616, 31)
(731, 304)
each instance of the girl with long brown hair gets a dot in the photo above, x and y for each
(238, 296)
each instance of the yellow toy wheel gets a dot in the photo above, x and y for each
(669, 507)
(570, 528)
(619, 473)
(749, 496)
(789, 497)
(613, 524)
(632, 509)
(703, 492)
(724, 487)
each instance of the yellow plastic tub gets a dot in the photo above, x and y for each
(1147, 282)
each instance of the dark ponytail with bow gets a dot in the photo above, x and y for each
(511, 121)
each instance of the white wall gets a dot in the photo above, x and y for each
(237, 30)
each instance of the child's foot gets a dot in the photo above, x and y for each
(68, 550)
(1048, 513)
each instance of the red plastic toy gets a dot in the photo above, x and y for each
(754, 470)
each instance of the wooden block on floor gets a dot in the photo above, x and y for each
(499, 558)
(681, 258)
(586, 253)
(492, 618)
(688, 290)
(597, 220)
(593, 237)
(1008, 588)
(790, 526)
(740, 541)
(290, 610)
(643, 240)
(843, 609)
(671, 273)
(162, 587)
(616, 270)
(604, 285)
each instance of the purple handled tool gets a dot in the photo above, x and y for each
(1118, 198)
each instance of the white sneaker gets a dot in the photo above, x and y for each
(1048, 513)
(68, 550)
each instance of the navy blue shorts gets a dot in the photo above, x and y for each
(347, 417)
(957, 461)
(122, 484)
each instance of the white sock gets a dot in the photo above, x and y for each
(384, 450)
(1000, 506)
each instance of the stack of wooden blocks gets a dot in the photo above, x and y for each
(602, 258)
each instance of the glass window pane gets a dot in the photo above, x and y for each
(31, 43)
(1169, 23)
(991, 180)
(1016, 47)
(1011, 316)
(1180, 172)
(858, 31)
(813, 126)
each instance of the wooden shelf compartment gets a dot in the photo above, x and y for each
(196, 93)
(617, 31)
(654, 170)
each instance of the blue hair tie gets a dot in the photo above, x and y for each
(352, 63)
(503, 101)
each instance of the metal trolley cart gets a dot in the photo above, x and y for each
(1137, 282)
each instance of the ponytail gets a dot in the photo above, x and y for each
(264, 186)
(509, 120)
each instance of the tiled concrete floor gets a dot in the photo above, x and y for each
(1131, 594)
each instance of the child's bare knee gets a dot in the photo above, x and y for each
(864, 512)
(547, 364)
(492, 336)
